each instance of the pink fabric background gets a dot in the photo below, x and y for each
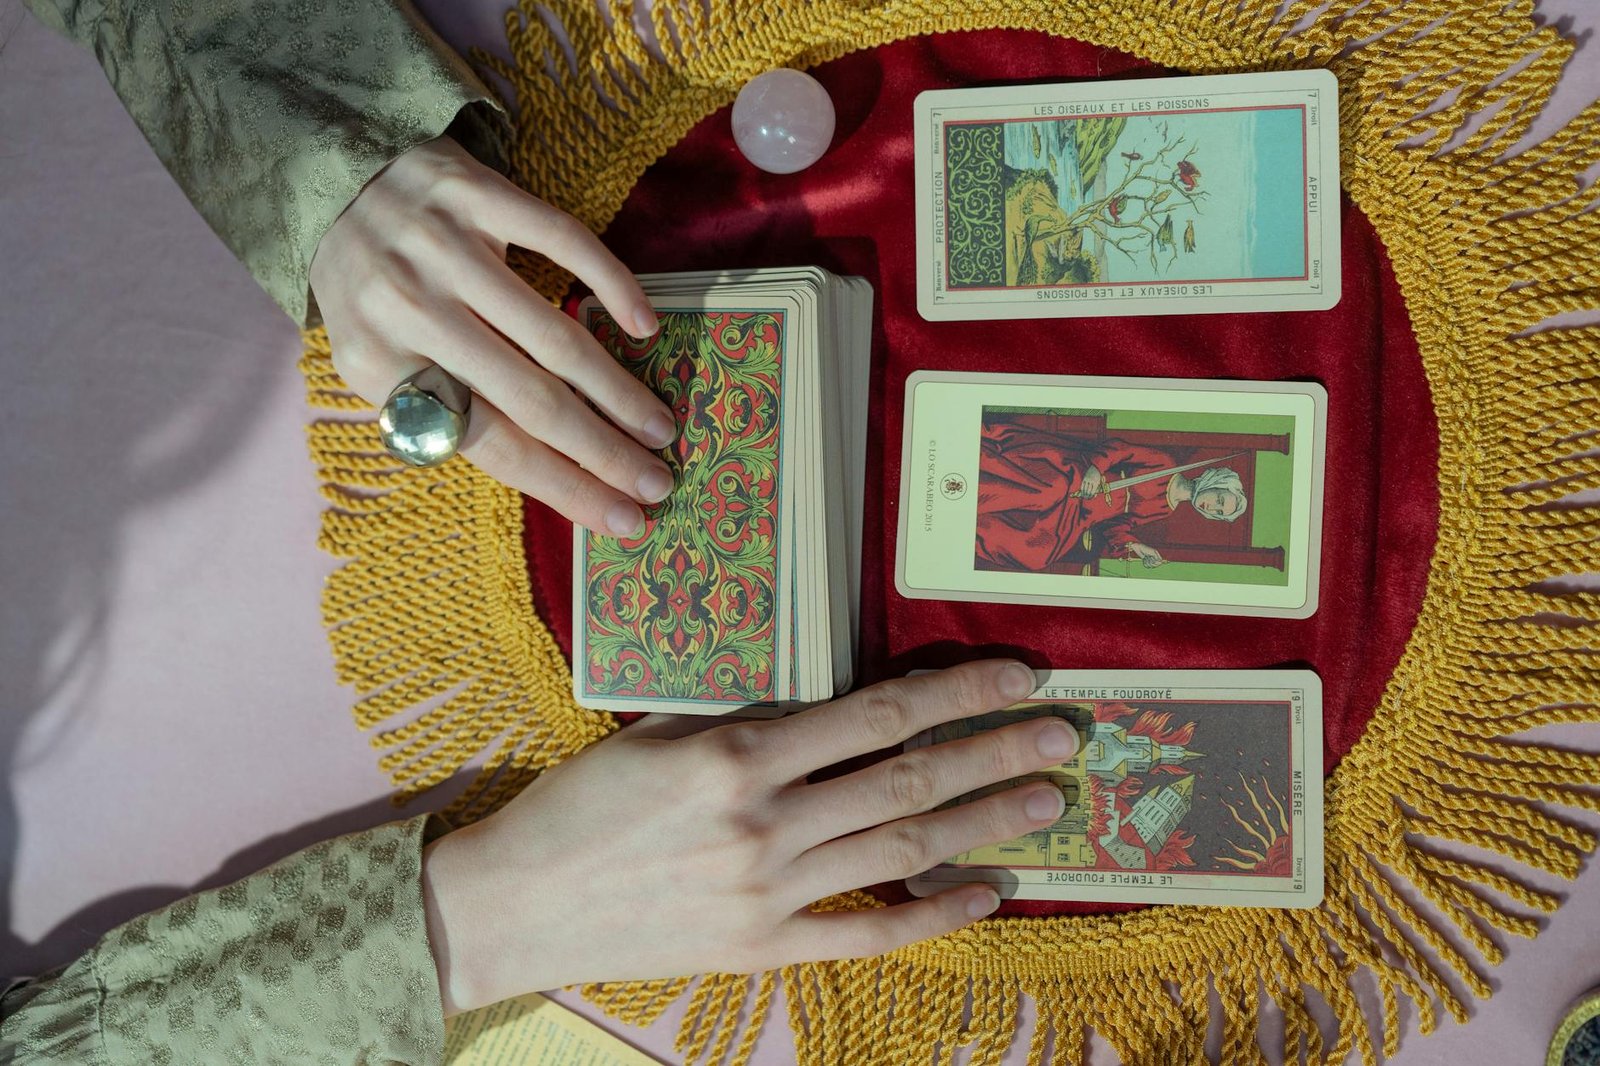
(168, 714)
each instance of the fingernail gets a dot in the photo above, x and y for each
(1057, 740)
(1017, 682)
(660, 430)
(983, 903)
(655, 484)
(625, 519)
(645, 322)
(1045, 804)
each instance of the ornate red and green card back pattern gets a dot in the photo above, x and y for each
(688, 610)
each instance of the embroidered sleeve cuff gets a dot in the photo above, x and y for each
(321, 957)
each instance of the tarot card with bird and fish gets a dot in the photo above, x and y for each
(1200, 787)
(1154, 196)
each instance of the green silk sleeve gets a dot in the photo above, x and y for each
(272, 114)
(322, 958)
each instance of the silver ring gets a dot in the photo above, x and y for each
(424, 420)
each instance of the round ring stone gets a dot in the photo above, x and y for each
(783, 120)
(424, 419)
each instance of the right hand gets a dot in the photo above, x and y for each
(1094, 483)
(414, 272)
(659, 854)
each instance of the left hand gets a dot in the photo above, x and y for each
(656, 854)
(1147, 555)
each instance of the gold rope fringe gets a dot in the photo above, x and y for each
(1486, 246)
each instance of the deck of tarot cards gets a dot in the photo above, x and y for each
(742, 594)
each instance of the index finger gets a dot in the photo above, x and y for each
(889, 713)
(523, 219)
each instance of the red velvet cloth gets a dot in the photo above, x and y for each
(703, 207)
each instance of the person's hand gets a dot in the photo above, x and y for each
(1146, 555)
(414, 272)
(659, 854)
(1094, 483)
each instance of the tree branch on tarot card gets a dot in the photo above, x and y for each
(1049, 246)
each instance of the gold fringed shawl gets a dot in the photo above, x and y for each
(1485, 248)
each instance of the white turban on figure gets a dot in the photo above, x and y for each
(1220, 477)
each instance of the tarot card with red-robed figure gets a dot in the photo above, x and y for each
(1129, 493)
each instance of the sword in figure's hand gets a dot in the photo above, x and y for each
(1154, 475)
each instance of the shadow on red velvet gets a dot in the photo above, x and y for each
(703, 207)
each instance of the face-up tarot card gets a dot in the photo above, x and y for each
(1157, 196)
(1200, 787)
(1129, 493)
